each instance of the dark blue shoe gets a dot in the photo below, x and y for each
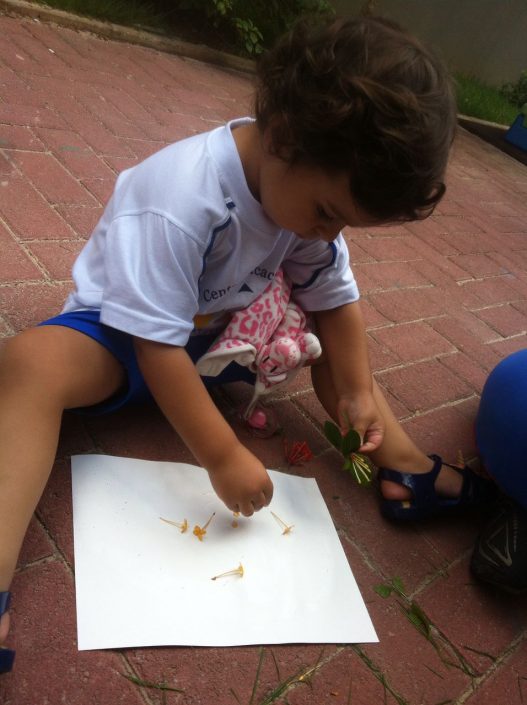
(500, 554)
(7, 656)
(425, 501)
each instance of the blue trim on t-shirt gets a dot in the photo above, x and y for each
(315, 274)
(215, 232)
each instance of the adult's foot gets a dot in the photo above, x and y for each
(500, 553)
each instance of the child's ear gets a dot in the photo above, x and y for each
(270, 143)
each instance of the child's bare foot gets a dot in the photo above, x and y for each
(4, 627)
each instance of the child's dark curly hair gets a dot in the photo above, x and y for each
(365, 97)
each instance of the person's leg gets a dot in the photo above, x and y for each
(397, 451)
(42, 372)
(500, 553)
(501, 422)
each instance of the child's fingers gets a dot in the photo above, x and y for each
(246, 509)
(250, 506)
(259, 502)
(268, 494)
(368, 447)
(372, 441)
(253, 504)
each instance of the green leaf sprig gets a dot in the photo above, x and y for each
(355, 463)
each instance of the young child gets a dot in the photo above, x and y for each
(353, 127)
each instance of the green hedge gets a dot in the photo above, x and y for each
(242, 27)
(251, 25)
(516, 93)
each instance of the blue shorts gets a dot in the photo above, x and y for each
(501, 424)
(121, 345)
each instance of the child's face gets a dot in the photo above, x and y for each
(309, 201)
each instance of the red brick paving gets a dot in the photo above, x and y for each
(444, 299)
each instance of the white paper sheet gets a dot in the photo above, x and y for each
(140, 582)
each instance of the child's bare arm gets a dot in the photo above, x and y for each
(344, 345)
(238, 477)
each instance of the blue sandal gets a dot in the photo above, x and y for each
(425, 501)
(7, 656)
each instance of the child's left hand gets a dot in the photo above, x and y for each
(359, 411)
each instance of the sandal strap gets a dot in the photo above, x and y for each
(474, 487)
(422, 485)
(5, 599)
(425, 501)
(7, 659)
(7, 656)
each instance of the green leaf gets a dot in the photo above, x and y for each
(398, 586)
(333, 434)
(351, 442)
(383, 590)
(149, 684)
(419, 618)
(348, 465)
(416, 621)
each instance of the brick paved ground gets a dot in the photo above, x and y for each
(445, 300)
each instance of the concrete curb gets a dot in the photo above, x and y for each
(108, 30)
(493, 133)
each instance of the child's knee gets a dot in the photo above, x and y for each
(14, 352)
(28, 358)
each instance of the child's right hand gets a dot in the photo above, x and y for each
(241, 481)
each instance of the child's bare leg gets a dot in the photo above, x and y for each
(397, 451)
(42, 372)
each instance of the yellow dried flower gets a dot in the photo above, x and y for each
(235, 571)
(181, 525)
(361, 468)
(200, 531)
(286, 529)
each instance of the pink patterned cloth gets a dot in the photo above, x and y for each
(270, 337)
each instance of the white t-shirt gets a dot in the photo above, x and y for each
(182, 242)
